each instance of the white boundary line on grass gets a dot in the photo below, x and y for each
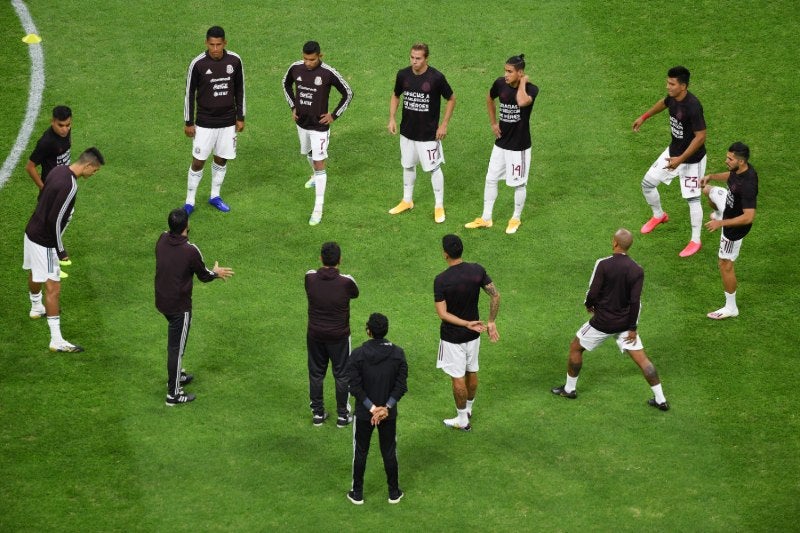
(34, 93)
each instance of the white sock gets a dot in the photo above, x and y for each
(437, 182)
(320, 182)
(696, 217)
(193, 182)
(520, 193)
(469, 405)
(55, 329)
(463, 417)
(217, 177)
(730, 301)
(409, 177)
(659, 394)
(489, 197)
(36, 298)
(652, 197)
(571, 384)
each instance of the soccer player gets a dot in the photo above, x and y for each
(511, 153)
(177, 262)
(53, 147)
(377, 373)
(456, 292)
(328, 336)
(313, 80)
(613, 301)
(685, 157)
(422, 88)
(734, 211)
(215, 81)
(43, 244)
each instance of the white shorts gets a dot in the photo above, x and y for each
(221, 141)
(729, 249)
(314, 143)
(41, 261)
(689, 173)
(509, 165)
(428, 154)
(458, 359)
(591, 338)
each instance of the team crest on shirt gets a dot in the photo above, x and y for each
(318, 81)
(426, 87)
(229, 69)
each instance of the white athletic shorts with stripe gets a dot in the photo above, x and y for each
(729, 249)
(314, 142)
(221, 141)
(689, 174)
(458, 359)
(509, 165)
(428, 154)
(41, 261)
(591, 338)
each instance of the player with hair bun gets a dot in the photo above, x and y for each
(511, 154)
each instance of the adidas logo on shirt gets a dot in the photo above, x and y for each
(208, 71)
(299, 78)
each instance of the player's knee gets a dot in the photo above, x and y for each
(725, 265)
(648, 185)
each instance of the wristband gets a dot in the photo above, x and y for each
(645, 116)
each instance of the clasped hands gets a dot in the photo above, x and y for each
(379, 413)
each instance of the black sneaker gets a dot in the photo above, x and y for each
(358, 499)
(653, 403)
(317, 420)
(395, 497)
(559, 391)
(186, 378)
(344, 421)
(179, 398)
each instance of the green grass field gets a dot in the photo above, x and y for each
(86, 443)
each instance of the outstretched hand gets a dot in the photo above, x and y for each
(222, 272)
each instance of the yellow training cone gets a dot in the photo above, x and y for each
(31, 38)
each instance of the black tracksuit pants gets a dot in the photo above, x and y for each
(319, 353)
(177, 335)
(362, 434)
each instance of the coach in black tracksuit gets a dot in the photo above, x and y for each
(177, 262)
(377, 373)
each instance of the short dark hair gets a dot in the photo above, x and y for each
(92, 156)
(330, 254)
(61, 112)
(178, 220)
(518, 62)
(215, 32)
(311, 47)
(453, 246)
(740, 150)
(378, 325)
(680, 73)
(421, 46)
